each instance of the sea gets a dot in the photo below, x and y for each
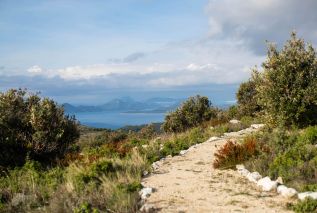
(115, 120)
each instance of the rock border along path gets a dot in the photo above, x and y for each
(189, 183)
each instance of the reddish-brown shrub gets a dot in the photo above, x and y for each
(233, 153)
(121, 148)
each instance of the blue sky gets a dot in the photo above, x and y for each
(88, 52)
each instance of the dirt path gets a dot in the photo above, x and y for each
(188, 183)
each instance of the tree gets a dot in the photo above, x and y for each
(34, 127)
(246, 97)
(191, 113)
(287, 87)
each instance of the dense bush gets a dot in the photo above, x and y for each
(291, 154)
(191, 113)
(33, 126)
(246, 97)
(233, 153)
(306, 206)
(287, 87)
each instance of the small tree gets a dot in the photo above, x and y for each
(246, 97)
(287, 89)
(191, 113)
(30, 125)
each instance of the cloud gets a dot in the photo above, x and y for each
(133, 57)
(129, 59)
(34, 69)
(255, 21)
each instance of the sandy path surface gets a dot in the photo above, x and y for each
(189, 183)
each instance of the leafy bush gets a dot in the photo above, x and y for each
(287, 87)
(29, 187)
(297, 163)
(305, 206)
(246, 97)
(86, 208)
(33, 126)
(191, 113)
(182, 142)
(309, 135)
(233, 153)
(290, 154)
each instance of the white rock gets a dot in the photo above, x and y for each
(254, 177)
(147, 208)
(161, 147)
(144, 146)
(279, 180)
(145, 173)
(155, 166)
(183, 152)
(267, 184)
(286, 192)
(257, 126)
(304, 195)
(234, 121)
(281, 188)
(213, 139)
(240, 166)
(243, 172)
(211, 128)
(145, 192)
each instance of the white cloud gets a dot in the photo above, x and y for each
(186, 63)
(35, 69)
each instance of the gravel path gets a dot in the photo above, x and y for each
(189, 183)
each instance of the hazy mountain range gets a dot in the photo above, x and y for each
(127, 104)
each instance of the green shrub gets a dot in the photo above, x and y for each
(299, 162)
(191, 113)
(130, 187)
(307, 205)
(290, 154)
(309, 135)
(233, 112)
(31, 182)
(246, 97)
(33, 126)
(86, 208)
(287, 87)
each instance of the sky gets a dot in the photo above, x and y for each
(88, 52)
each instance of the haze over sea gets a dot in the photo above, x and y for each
(114, 119)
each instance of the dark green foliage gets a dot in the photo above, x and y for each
(33, 126)
(86, 208)
(287, 87)
(191, 113)
(130, 187)
(291, 155)
(246, 96)
(299, 162)
(305, 206)
(233, 112)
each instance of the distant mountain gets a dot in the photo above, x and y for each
(127, 104)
